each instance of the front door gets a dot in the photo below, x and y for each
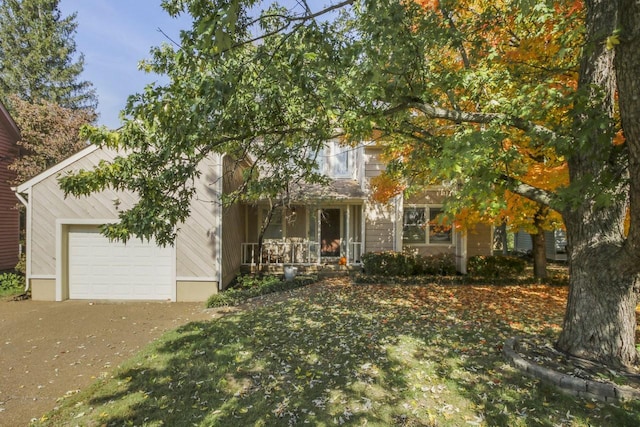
(330, 233)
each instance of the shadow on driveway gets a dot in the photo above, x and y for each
(49, 349)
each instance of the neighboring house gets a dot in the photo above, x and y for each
(555, 244)
(9, 214)
(67, 258)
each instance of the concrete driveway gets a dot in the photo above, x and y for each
(49, 349)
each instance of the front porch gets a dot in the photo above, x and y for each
(305, 236)
(297, 251)
(321, 270)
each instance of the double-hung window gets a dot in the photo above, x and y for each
(339, 161)
(424, 225)
(335, 160)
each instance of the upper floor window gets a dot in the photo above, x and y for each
(424, 225)
(336, 161)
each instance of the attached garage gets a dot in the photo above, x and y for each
(68, 257)
(102, 269)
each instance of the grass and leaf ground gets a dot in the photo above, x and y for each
(11, 285)
(335, 353)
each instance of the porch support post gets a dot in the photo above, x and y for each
(319, 236)
(363, 226)
(348, 243)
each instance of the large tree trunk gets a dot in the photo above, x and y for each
(539, 245)
(539, 253)
(627, 73)
(600, 321)
(500, 239)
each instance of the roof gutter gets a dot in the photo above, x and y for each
(20, 197)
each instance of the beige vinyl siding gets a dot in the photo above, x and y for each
(233, 223)
(379, 235)
(195, 243)
(480, 240)
(297, 224)
(373, 164)
(48, 204)
(429, 197)
(9, 215)
(379, 218)
(430, 249)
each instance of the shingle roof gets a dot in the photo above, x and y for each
(336, 190)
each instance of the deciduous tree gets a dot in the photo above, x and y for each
(440, 80)
(50, 134)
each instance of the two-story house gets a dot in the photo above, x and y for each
(68, 258)
(338, 223)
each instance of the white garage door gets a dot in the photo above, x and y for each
(100, 269)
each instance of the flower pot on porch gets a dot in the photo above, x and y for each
(290, 273)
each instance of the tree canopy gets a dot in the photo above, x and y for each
(50, 134)
(38, 58)
(483, 95)
(468, 108)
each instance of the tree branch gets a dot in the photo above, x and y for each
(536, 194)
(161, 31)
(435, 112)
(288, 21)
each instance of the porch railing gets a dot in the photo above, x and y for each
(293, 251)
(355, 252)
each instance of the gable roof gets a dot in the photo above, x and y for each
(335, 190)
(56, 168)
(6, 118)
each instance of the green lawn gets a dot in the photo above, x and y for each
(348, 355)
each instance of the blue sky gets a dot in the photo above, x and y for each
(114, 35)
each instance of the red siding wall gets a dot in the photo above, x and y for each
(9, 215)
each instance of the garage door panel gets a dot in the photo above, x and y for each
(100, 269)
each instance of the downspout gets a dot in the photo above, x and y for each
(363, 231)
(25, 201)
(394, 228)
(398, 218)
(319, 236)
(218, 220)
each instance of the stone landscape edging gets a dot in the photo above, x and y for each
(606, 392)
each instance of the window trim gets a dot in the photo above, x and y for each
(328, 160)
(427, 215)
